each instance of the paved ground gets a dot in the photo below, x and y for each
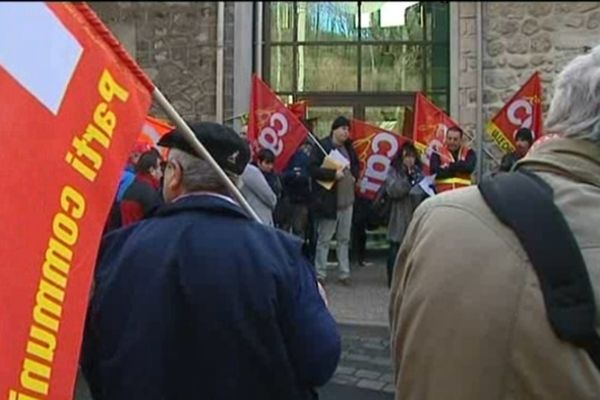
(366, 301)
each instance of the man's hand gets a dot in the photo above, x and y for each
(339, 174)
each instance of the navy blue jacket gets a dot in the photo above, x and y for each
(200, 302)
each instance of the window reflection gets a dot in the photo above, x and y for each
(362, 48)
(386, 117)
(282, 14)
(327, 20)
(327, 68)
(281, 68)
(324, 117)
(392, 68)
(392, 20)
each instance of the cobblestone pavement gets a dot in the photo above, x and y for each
(365, 362)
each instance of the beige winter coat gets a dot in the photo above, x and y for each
(467, 315)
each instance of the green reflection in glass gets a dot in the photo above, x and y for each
(282, 27)
(325, 116)
(392, 68)
(327, 68)
(281, 68)
(388, 117)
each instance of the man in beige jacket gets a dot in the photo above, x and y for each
(467, 314)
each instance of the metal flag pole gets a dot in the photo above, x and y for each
(201, 150)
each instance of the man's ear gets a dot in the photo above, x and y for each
(174, 183)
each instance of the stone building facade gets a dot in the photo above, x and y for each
(495, 47)
(518, 38)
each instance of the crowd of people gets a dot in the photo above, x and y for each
(191, 296)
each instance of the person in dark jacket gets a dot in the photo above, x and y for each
(265, 162)
(333, 207)
(201, 301)
(142, 198)
(296, 192)
(523, 142)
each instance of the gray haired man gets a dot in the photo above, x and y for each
(467, 310)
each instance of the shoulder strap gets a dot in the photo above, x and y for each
(524, 202)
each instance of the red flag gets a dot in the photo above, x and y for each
(73, 104)
(299, 109)
(430, 127)
(272, 126)
(153, 130)
(523, 110)
(376, 148)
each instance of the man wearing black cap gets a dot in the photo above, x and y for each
(333, 207)
(200, 301)
(523, 142)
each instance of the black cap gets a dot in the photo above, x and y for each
(340, 121)
(524, 134)
(228, 149)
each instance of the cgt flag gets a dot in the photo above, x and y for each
(430, 127)
(523, 110)
(272, 125)
(376, 148)
(73, 104)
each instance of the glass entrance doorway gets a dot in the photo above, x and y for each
(387, 112)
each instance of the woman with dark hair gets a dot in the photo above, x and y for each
(404, 174)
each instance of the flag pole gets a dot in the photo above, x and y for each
(201, 150)
(314, 139)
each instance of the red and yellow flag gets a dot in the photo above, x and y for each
(523, 110)
(430, 127)
(73, 104)
(271, 125)
(376, 148)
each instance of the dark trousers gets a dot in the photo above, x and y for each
(391, 260)
(310, 238)
(360, 220)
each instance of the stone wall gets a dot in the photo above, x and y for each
(467, 69)
(175, 43)
(522, 37)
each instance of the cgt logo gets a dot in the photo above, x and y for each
(270, 136)
(383, 148)
(520, 114)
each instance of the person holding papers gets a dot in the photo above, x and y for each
(333, 196)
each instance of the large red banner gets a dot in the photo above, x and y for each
(376, 148)
(73, 105)
(430, 127)
(271, 125)
(523, 110)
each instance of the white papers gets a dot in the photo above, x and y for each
(339, 157)
(427, 183)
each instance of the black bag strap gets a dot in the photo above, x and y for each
(525, 203)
